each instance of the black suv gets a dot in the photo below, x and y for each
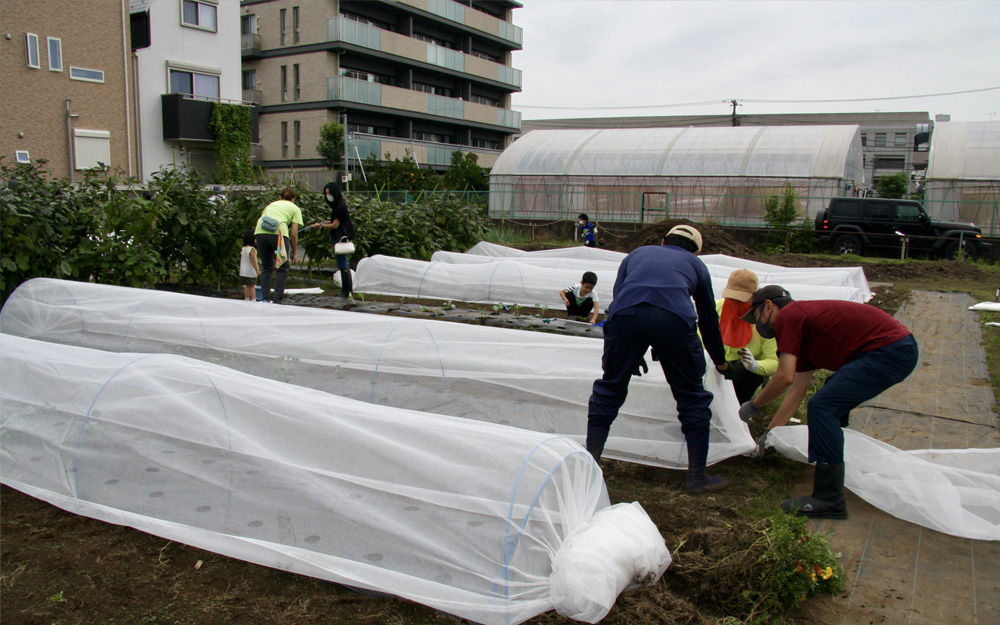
(854, 224)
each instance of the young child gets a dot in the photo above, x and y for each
(587, 230)
(249, 270)
(581, 298)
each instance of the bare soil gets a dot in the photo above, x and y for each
(59, 568)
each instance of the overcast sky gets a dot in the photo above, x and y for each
(632, 53)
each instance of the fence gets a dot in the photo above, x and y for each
(724, 209)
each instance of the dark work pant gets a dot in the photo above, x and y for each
(267, 246)
(856, 382)
(627, 336)
(745, 382)
(578, 310)
(590, 243)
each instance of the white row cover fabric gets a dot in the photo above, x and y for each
(532, 380)
(955, 491)
(766, 274)
(986, 306)
(485, 248)
(512, 282)
(463, 516)
(744, 151)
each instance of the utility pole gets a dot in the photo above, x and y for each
(736, 120)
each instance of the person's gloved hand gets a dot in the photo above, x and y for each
(748, 410)
(641, 365)
(727, 373)
(760, 450)
(749, 362)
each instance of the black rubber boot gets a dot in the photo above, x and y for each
(596, 437)
(346, 283)
(827, 500)
(698, 481)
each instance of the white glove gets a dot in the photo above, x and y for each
(749, 362)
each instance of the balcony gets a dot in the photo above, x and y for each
(341, 29)
(468, 16)
(189, 119)
(250, 46)
(364, 92)
(251, 96)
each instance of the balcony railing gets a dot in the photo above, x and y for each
(250, 45)
(368, 36)
(251, 96)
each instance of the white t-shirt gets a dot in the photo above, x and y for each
(575, 290)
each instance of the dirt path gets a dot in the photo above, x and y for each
(900, 572)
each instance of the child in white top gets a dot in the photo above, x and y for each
(249, 270)
(581, 298)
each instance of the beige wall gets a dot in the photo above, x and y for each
(270, 133)
(313, 16)
(32, 101)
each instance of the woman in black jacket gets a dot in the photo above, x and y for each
(339, 226)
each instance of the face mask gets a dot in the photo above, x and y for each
(329, 198)
(764, 328)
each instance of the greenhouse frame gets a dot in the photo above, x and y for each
(963, 174)
(644, 175)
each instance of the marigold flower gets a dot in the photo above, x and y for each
(828, 572)
(798, 566)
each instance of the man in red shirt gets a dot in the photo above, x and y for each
(868, 350)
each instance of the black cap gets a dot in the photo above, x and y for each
(589, 277)
(764, 293)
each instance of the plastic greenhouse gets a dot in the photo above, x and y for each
(490, 523)
(647, 174)
(531, 380)
(963, 175)
(510, 281)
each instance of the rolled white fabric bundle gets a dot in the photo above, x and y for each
(618, 547)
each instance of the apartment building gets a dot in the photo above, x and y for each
(891, 142)
(186, 57)
(417, 77)
(67, 86)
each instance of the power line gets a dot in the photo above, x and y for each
(730, 100)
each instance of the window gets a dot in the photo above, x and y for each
(31, 50)
(429, 39)
(880, 139)
(877, 210)
(284, 139)
(864, 139)
(420, 135)
(198, 14)
(88, 75)
(907, 212)
(55, 54)
(365, 76)
(295, 24)
(846, 209)
(284, 83)
(899, 140)
(481, 99)
(248, 25)
(202, 86)
(283, 24)
(21, 156)
(295, 82)
(249, 79)
(485, 143)
(92, 149)
(443, 91)
(483, 55)
(298, 138)
(371, 130)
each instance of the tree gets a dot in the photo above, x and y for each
(465, 173)
(780, 213)
(893, 186)
(331, 144)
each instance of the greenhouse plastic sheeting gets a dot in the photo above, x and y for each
(748, 151)
(462, 516)
(532, 380)
(955, 491)
(512, 282)
(766, 274)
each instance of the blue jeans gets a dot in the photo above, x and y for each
(343, 261)
(863, 378)
(627, 336)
